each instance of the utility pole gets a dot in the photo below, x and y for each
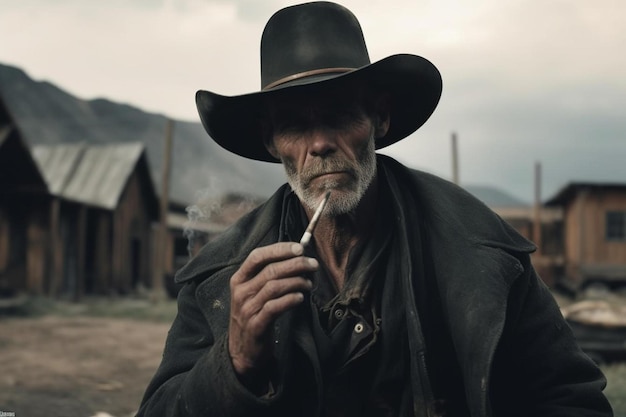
(455, 160)
(161, 241)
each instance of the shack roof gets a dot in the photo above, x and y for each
(93, 174)
(571, 190)
(18, 170)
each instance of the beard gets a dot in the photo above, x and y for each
(346, 192)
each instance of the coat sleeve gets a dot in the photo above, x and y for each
(539, 369)
(196, 377)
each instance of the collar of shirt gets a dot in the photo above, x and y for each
(362, 264)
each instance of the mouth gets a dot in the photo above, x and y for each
(330, 174)
(334, 176)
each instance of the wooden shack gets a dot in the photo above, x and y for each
(24, 207)
(102, 216)
(541, 225)
(595, 232)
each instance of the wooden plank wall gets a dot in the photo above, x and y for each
(131, 220)
(585, 231)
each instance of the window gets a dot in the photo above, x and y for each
(616, 225)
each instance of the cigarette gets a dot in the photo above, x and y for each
(306, 237)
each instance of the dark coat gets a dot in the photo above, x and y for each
(510, 353)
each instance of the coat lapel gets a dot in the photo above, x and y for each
(474, 289)
(472, 270)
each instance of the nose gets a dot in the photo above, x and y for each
(322, 142)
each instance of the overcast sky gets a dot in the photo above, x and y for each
(524, 80)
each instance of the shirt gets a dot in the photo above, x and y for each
(346, 324)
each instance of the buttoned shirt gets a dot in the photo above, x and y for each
(346, 324)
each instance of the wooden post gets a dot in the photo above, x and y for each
(35, 253)
(581, 201)
(103, 255)
(455, 160)
(117, 246)
(537, 210)
(161, 249)
(81, 239)
(56, 248)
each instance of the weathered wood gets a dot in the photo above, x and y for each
(35, 253)
(55, 247)
(81, 240)
(103, 253)
(587, 249)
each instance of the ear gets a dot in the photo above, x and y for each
(268, 141)
(382, 125)
(269, 145)
(382, 114)
(268, 138)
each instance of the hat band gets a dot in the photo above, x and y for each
(307, 74)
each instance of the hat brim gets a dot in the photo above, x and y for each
(413, 83)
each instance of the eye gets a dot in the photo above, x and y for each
(290, 126)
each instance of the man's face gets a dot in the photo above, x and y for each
(325, 143)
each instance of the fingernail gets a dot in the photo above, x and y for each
(297, 249)
(309, 283)
(313, 262)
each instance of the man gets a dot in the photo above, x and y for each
(413, 299)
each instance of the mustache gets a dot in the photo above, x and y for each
(326, 166)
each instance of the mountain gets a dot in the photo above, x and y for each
(495, 197)
(45, 114)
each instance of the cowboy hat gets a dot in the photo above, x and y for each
(314, 46)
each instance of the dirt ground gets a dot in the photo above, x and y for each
(76, 366)
(91, 358)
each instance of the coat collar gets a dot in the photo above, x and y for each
(450, 213)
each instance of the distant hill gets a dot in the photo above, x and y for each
(45, 114)
(494, 197)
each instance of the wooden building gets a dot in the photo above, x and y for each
(101, 218)
(24, 207)
(594, 221)
(541, 225)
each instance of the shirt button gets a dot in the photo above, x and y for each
(358, 328)
(339, 314)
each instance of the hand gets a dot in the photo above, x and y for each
(268, 283)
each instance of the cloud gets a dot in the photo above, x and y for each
(524, 80)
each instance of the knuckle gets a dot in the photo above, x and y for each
(247, 310)
(273, 288)
(272, 271)
(271, 308)
(256, 255)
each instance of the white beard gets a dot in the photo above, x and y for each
(345, 196)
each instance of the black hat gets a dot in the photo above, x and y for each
(320, 45)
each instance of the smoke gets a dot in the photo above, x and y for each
(213, 212)
(200, 214)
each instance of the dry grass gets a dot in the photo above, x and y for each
(616, 387)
